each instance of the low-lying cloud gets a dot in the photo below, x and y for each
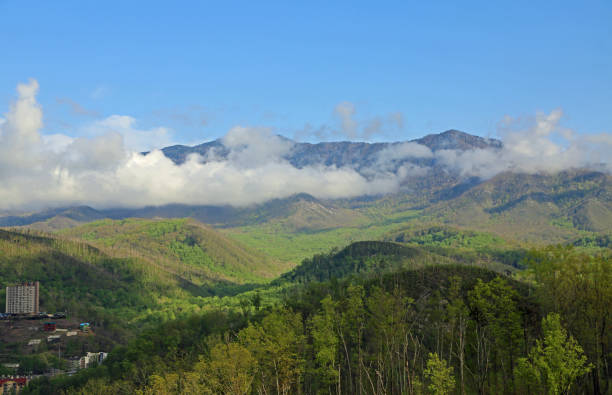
(543, 147)
(106, 168)
(41, 171)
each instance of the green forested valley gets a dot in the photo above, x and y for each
(371, 297)
(436, 311)
(305, 198)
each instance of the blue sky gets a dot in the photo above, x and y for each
(200, 68)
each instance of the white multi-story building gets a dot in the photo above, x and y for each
(91, 358)
(22, 298)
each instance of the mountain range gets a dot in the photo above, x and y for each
(357, 155)
(183, 270)
(536, 208)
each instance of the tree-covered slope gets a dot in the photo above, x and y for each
(183, 247)
(87, 283)
(359, 257)
(534, 209)
(537, 208)
(510, 209)
(446, 236)
(372, 258)
(434, 329)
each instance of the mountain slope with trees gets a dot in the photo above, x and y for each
(85, 282)
(529, 208)
(436, 329)
(184, 247)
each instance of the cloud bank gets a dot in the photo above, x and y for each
(40, 171)
(107, 169)
(543, 147)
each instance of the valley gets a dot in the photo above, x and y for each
(193, 274)
(310, 198)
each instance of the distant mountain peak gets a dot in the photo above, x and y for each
(456, 139)
(342, 153)
(454, 132)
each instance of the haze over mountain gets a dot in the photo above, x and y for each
(253, 165)
(358, 155)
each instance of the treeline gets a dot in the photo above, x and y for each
(356, 258)
(379, 257)
(443, 329)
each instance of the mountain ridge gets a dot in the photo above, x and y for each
(341, 153)
(540, 207)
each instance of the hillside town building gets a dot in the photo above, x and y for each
(88, 360)
(12, 385)
(22, 298)
(92, 358)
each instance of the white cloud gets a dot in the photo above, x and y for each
(542, 146)
(105, 168)
(392, 161)
(353, 127)
(56, 142)
(77, 108)
(24, 118)
(134, 138)
(348, 125)
(405, 150)
(250, 147)
(365, 129)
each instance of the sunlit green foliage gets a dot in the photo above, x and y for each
(579, 287)
(183, 247)
(439, 376)
(431, 329)
(375, 317)
(375, 257)
(555, 362)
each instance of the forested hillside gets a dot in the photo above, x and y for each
(368, 258)
(394, 299)
(83, 281)
(184, 247)
(520, 209)
(508, 211)
(123, 275)
(547, 208)
(120, 278)
(437, 329)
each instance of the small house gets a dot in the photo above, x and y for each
(53, 339)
